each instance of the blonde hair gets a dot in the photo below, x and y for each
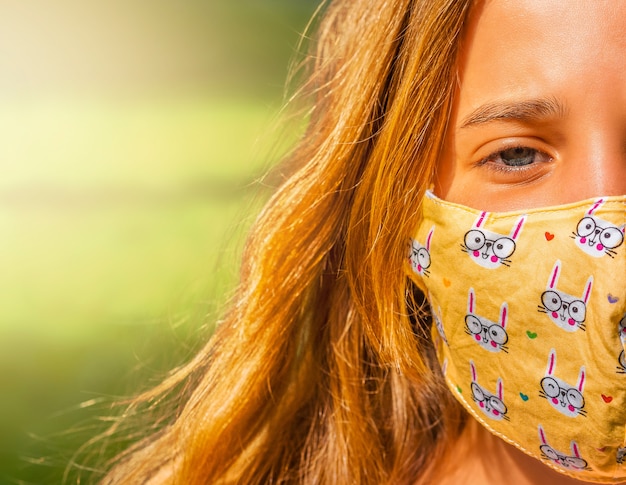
(322, 371)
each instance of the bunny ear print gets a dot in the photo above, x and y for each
(581, 379)
(481, 219)
(503, 314)
(551, 362)
(542, 435)
(429, 237)
(575, 451)
(576, 461)
(587, 291)
(473, 370)
(500, 389)
(517, 228)
(554, 276)
(596, 204)
(470, 300)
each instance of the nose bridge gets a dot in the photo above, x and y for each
(599, 165)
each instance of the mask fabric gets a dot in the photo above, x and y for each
(529, 323)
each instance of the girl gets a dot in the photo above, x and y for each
(328, 367)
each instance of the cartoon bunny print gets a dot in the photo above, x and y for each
(490, 335)
(598, 237)
(565, 310)
(620, 455)
(572, 462)
(419, 255)
(621, 368)
(492, 405)
(563, 397)
(490, 249)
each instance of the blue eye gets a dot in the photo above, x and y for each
(515, 158)
(518, 156)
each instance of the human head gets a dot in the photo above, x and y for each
(547, 78)
(321, 370)
(537, 121)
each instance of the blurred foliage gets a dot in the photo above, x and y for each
(134, 133)
(73, 46)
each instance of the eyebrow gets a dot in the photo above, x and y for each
(524, 111)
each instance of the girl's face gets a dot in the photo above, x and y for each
(539, 116)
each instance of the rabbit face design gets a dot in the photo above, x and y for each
(573, 462)
(620, 455)
(490, 249)
(419, 255)
(492, 405)
(566, 311)
(563, 397)
(490, 335)
(596, 236)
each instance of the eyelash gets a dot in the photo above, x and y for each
(490, 161)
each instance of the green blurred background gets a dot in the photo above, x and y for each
(132, 137)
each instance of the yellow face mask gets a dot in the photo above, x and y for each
(529, 312)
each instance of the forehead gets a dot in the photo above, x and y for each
(525, 48)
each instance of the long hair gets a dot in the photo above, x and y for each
(322, 370)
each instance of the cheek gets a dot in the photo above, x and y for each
(446, 171)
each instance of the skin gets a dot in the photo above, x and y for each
(539, 119)
(487, 460)
(568, 56)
